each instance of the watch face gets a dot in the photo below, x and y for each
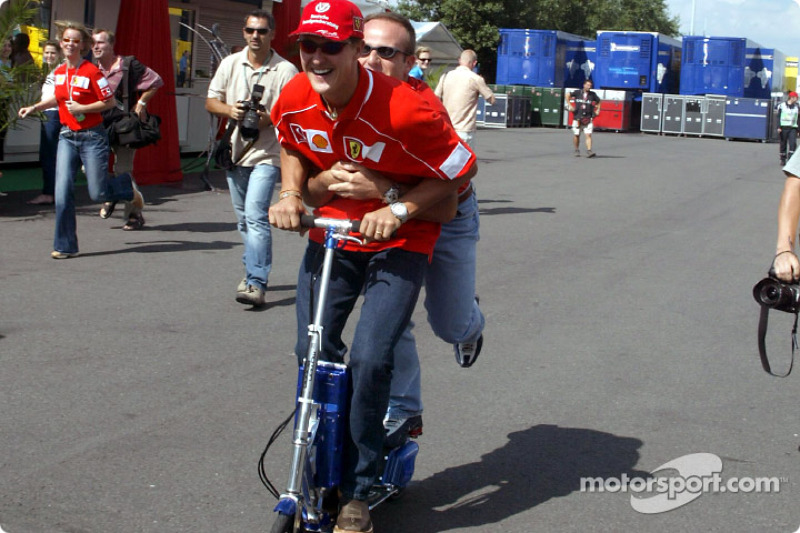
(400, 210)
(391, 195)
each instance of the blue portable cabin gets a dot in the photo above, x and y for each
(764, 71)
(639, 61)
(714, 65)
(544, 58)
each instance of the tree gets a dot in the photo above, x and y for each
(475, 25)
(19, 86)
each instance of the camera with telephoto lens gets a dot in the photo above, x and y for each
(776, 294)
(248, 126)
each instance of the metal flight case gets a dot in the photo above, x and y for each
(673, 114)
(652, 112)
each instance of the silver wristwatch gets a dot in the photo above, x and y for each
(399, 210)
(392, 194)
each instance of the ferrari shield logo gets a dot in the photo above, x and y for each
(358, 151)
(354, 148)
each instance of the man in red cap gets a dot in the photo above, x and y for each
(787, 126)
(337, 112)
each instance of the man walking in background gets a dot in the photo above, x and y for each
(459, 90)
(142, 84)
(585, 105)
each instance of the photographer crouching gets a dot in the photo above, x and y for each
(243, 90)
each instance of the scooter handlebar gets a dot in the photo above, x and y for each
(310, 221)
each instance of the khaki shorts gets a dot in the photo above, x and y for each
(577, 127)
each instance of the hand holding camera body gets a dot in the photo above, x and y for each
(776, 294)
(248, 126)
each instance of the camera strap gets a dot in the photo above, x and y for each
(762, 344)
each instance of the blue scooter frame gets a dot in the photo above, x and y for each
(310, 500)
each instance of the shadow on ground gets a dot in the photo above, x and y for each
(535, 465)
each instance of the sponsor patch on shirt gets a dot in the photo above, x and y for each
(106, 92)
(102, 83)
(358, 151)
(80, 82)
(317, 140)
(60, 79)
(455, 163)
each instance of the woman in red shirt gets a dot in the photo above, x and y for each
(82, 94)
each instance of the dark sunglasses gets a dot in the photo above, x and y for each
(330, 48)
(384, 52)
(425, 59)
(261, 31)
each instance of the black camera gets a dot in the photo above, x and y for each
(248, 126)
(776, 294)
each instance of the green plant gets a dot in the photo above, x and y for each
(19, 86)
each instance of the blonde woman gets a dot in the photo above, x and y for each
(82, 94)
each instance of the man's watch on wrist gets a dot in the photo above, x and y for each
(399, 210)
(392, 194)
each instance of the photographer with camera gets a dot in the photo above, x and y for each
(244, 88)
(780, 290)
(786, 265)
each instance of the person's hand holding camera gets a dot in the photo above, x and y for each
(237, 111)
(786, 266)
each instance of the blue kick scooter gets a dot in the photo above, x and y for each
(310, 502)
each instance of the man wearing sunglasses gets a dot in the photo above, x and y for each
(453, 312)
(257, 162)
(340, 111)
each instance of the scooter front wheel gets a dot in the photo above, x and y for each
(283, 523)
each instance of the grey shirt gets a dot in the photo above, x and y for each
(234, 82)
(793, 165)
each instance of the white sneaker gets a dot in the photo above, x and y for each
(252, 296)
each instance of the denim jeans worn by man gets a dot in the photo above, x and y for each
(340, 112)
(256, 154)
(453, 311)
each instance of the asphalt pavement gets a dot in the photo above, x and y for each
(620, 344)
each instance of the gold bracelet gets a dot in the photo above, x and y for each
(288, 193)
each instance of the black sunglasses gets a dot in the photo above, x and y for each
(261, 31)
(424, 59)
(330, 48)
(385, 52)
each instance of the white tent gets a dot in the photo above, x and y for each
(445, 50)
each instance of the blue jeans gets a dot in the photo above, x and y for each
(89, 147)
(453, 314)
(48, 150)
(251, 194)
(390, 281)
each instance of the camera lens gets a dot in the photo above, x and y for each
(770, 294)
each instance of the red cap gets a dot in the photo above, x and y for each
(792, 94)
(337, 20)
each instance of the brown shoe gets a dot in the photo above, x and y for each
(353, 517)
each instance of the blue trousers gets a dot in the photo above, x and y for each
(48, 150)
(251, 193)
(390, 282)
(89, 147)
(450, 301)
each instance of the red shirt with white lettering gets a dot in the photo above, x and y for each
(387, 126)
(84, 85)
